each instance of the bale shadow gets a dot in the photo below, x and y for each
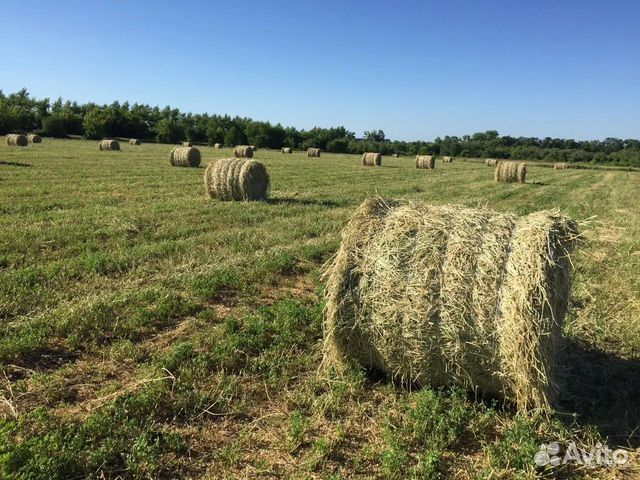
(538, 183)
(301, 201)
(15, 164)
(604, 390)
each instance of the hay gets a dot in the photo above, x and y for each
(187, 144)
(134, 141)
(17, 140)
(395, 155)
(217, 146)
(243, 151)
(287, 150)
(33, 138)
(447, 159)
(185, 157)
(371, 159)
(438, 295)
(511, 172)
(109, 145)
(425, 161)
(560, 166)
(313, 152)
(236, 179)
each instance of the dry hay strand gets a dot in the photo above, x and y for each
(236, 179)
(511, 172)
(287, 150)
(560, 166)
(109, 145)
(217, 146)
(447, 159)
(313, 152)
(491, 162)
(187, 144)
(134, 141)
(17, 140)
(371, 159)
(33, 138)
(442, 295)
(185, 157)
(426, 161)
(243, 151)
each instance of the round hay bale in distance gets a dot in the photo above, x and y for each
(511, 172)
(439, 295)
(371, 159)
(395, 155)
(134, 141)
(236, 179)
(313, 152)
(426, 161)
(491, 162)
(560, 166)
(185, 157)
(243, 151)
(447, 159)
(109, 145)
(287, 150)
(187, 144)
(33, 138)
(217, 146)
(17, 140)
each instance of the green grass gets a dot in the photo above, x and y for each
(149, 332)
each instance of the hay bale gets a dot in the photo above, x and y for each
(439, 295)
(184, 157)
(33, 138)
(447, 159)
(187, 144)
(217, 146)
(243, 151)
(313, 152)
(109, 145)
(426, 161)
(395, 155)
(134, 141)
(371, 159)
(511, 172)
(560, 166)
(287, 150)
(491, 162)
(236, 179)
(17, 140)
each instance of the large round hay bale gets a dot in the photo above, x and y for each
(313, 152)
(185, 157)
(447, 159)
(287, 150)
(33, 138)
(511, 172)
(371, 159)
(109, 145)
(217, 146)
(134, 141)
(443, 295)
(243, 151)
(236, 179)
(17, 140)
(491, 162)
(426, 161)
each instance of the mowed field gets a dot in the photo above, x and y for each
(147, 331)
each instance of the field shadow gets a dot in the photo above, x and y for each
(604, 390)
(301, 201)
(44, 360)
(538, 183)
(14, 164)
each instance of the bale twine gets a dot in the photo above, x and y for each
(560, 166)
(371, 159)
(185, 157)
(243, 151)
(426, 161)
(437, 295)
(217, 146)
(511, 172)
(491, 162)
(134, 141)
(287, 150)
(236, 179)
(17, 140)
(109, 145)
(187, 144)
(447, 159)
(313, 152)
(33, 138)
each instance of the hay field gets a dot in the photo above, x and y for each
(148, 331)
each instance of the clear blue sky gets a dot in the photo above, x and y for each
(415, 69)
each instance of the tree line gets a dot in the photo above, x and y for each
(20, 112)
